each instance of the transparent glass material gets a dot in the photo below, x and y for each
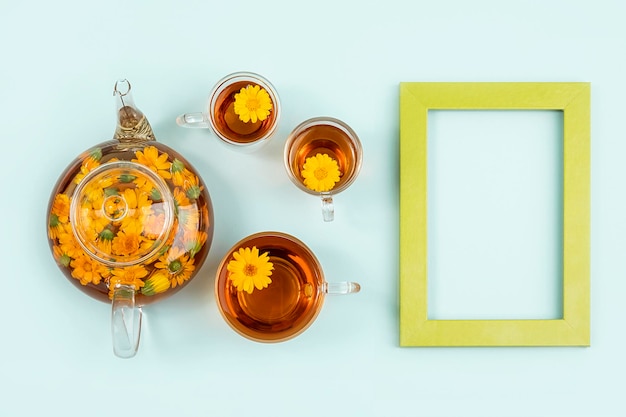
(219, 114)
(118, 207)
(323, 136)
(125, 321)
(290, 303)
(130, 222)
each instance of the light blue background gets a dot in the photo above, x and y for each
(343, 59)
(495, 214)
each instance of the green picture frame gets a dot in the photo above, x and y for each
(416, 99)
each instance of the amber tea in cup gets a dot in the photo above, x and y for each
(323, 157)
(270, 287)
(243, 110)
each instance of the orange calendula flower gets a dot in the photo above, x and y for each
(61, 207)
(320, 173)
(247, 270)
(252, 103)
(178, 264)
(143, 185)
(193, 241)
(88, 271)
(158, 163)
(192, 187)
(138, 205)
(95, 192)
(129, 242)
(59, 215)
(92, 224)
(153, 225)
(157, 283)
(180, 198)
(134, 222)
(104, 241)
(94, 196)
(55, 227)
(182, 177)
(60, 256)
(179, 173)
(91, 162)
(68, 244)
(189, 217)
(130, 198)
(131, 275)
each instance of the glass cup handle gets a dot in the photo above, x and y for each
(341, 287)
(125, 321)
(328, 208)
(192, 120)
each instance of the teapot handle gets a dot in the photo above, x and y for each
(125, 321)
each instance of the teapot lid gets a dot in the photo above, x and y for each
(122, 213)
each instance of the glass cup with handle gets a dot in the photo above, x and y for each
(323, 157)
(243, 110)
(270, 287)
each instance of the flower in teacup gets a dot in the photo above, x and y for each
(252, 103)
(320, 173)
(247, 270)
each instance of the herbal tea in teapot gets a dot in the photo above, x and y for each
(130, 221)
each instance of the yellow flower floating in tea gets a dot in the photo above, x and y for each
(252, 103)
(248, 270)
(320, 173)
(133, 218)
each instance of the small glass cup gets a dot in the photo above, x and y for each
(220, 115)
(311, 171)
(288, 304)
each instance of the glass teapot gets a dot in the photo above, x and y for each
(129, 221)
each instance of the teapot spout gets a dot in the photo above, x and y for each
(132, 124)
